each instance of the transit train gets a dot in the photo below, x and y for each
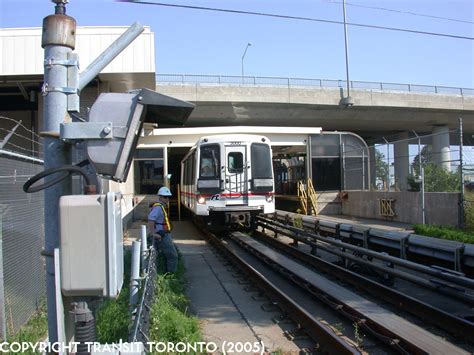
(227, 179)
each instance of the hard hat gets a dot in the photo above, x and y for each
(164, 191)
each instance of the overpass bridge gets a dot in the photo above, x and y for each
(380, 109)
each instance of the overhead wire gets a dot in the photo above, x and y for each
(300, 18)
(403, 12)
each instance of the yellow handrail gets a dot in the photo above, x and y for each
(302, 196)
(307, 195)
(313, 197)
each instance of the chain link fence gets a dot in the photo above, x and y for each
(22, 269)
(406, 161)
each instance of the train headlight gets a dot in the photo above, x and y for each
(201, 200)
(269, 198)
(262, 185)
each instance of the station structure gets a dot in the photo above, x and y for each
(315, 143)
(375, 114)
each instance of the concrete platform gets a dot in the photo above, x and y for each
(227, 312)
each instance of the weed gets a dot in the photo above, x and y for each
(298, 222)
(36, 329)
(113, 316)
(338, 327)
(170, 320)
(359, 337)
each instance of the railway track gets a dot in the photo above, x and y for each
(397, 333)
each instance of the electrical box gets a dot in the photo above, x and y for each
(91, 249)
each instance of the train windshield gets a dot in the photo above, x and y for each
(261, 161)
(209, 164)
(235, 162)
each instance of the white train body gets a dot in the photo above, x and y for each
(228, 178)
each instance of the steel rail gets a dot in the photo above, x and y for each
(380, 331)
(375, 329)
(469, 300)
(455, 325)
(314, 328)
(458, 280)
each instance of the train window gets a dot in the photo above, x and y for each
(235, 162)
(192, 174)
(261, 161)
(209, 163)
(148, 176)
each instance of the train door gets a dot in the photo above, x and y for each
(235, 176)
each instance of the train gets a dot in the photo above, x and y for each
(227, 179)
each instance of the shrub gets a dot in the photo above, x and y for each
(445, 232)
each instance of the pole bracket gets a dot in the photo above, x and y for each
(73, 131)
(45, 89)
(48, 63)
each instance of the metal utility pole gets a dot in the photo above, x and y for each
(422, 179)
(58, 41)
(461, 168)
(347, 101)
(61, 88)
(243, 56)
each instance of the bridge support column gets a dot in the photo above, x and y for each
(402, 162)
(440, 147)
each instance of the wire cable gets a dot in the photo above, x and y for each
(403, 12)
(288, 17)
(67, 171)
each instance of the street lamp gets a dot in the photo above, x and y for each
(243, 56)
(346, 101)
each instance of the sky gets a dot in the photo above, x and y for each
(190, 41)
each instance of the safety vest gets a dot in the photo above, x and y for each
(167, 226)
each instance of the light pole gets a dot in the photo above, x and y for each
(347, 101)
(243, 56)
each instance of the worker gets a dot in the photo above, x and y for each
(159, 227)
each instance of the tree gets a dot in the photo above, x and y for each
(381, 169)
(437, 179)
(425, 159)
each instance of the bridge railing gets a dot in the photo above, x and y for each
(308, 82)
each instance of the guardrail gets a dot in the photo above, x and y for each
(456, 256)
(309, 83)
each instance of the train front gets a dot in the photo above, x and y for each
(235, 181)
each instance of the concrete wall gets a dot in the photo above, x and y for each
(440, 207)
(91, 41)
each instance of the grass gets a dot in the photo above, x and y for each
(36, 329)
(113, 316)
(445, 232)
(170, 320)
(465, 235)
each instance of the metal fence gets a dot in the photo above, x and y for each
(395, 162)
(22, 271)
(22, 239)
(308, 82)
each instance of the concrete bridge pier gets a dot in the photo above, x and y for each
(402, 162)
(440, 147)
